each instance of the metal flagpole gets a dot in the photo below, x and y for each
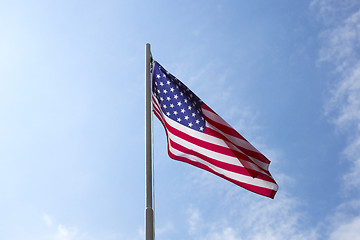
(149, 212)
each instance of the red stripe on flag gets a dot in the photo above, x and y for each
(217, 163)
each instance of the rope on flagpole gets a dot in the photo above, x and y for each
(152, 144)
(149, 212)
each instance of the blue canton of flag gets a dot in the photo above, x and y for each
(176, 100)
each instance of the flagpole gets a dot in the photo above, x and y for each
(149, 213)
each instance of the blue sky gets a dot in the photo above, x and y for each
(285, 74)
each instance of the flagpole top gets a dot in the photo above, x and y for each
(148, 49)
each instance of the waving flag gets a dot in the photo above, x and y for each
(198, 136)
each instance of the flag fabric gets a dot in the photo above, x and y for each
(198, 136)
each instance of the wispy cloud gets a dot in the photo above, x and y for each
(345, 222)
(252, 219)
(61, 232)
(194, 220)
(65, 233)
(48, 220)
(341, 45)
(167, 228)
(341, 48)
(348, 230)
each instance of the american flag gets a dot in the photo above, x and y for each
(198, 136)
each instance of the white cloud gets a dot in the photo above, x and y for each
(140, 234)
(352, 178)
(347, 231)
(61, 232)
(161, 232)
(252, 219)
(243, 215)
(331, 11)
(347, 97)
(48, 220)
(345, 223)
(194, 220)
(225, 234)
(341, 48)
(168, 228)
(65, 233)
